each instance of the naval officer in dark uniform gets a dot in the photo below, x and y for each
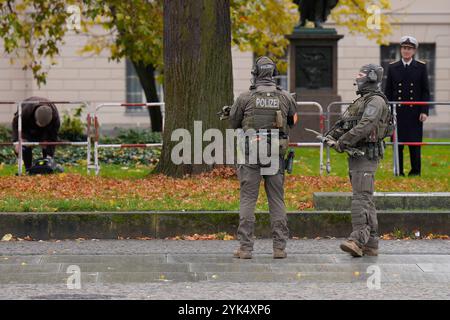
(407, 80)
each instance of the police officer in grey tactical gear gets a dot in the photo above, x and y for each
(264, 107)
(363, 126)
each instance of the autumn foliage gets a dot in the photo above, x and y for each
(217, 190)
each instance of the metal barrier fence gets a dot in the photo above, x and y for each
(321, 126)
(395, 143)
(93, 126)
(97, 145)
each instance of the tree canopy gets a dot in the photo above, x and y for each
(33, 30)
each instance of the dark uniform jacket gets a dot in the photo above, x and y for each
(30, 130)
(410, 84)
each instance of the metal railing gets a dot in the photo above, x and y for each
(97, 145)
(96, 135)
(93, 131)
(321, 128)
(395, 141)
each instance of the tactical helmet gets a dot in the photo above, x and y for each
(263, 67)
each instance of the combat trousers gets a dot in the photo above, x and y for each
(363, 212)
(250, 178)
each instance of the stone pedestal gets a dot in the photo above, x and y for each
(312, 75)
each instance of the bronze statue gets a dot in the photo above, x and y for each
(315, 10)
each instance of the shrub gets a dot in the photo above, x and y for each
(5, 134)
(72, 127)
(134, 136)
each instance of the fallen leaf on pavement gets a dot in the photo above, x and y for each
(7, 237)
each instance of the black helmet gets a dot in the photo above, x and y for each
(263, 67)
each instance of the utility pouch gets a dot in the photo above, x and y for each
(279, 119)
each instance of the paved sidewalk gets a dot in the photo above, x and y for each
(158, 269)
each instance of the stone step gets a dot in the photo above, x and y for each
(339, 201)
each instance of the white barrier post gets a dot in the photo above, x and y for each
(19, 136)
(395, 155)
(321, 126)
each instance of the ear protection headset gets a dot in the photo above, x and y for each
(256, 71)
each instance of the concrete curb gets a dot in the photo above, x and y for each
(111, 225)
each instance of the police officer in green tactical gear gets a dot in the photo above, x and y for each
(264, 107)
(363, 126)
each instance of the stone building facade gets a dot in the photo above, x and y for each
(95, 79)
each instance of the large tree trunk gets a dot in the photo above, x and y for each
(198, 72)
(146, 74)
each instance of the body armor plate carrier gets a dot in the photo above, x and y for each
(267, 111)
(373, 145)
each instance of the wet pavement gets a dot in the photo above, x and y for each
(164, 269)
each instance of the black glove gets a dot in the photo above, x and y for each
(225, 113)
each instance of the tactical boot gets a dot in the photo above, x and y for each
(279, 253)
(242, 254)
(352, 248)
(369, 251)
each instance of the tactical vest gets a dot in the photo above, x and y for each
(373, 146)
(267, 110)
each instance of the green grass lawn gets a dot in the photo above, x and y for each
(435, 164)
(107, 171)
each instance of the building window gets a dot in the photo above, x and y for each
(426, 53)
(134, 92)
